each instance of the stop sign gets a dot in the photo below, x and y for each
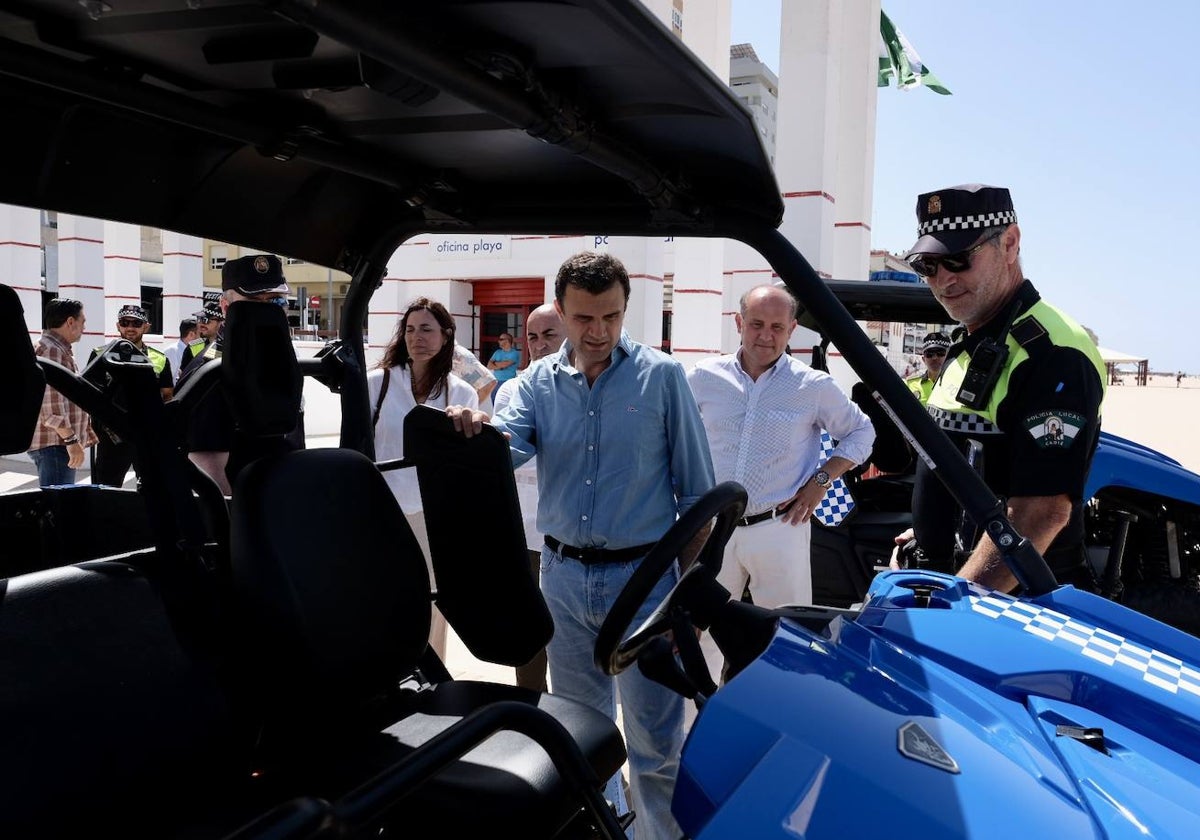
(314, 302)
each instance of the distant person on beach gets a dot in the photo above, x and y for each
(1025, 381)
(1178, 378)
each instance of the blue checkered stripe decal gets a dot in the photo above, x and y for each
(838, 502)
(1154, 667)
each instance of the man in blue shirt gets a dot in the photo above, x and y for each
(621, 452)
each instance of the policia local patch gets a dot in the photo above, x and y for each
(1054, 429)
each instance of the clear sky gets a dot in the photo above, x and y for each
(1089, 113)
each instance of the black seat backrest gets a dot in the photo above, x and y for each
(24, 382)
(329, 583)
(478, 549)
(106, 716)
(259, 369)
(891, 452)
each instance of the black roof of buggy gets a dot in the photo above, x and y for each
(321, 129)
(332, 130)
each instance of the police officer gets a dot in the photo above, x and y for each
(113, 456)
(1025, 381)
(213, 443)
(933, 352)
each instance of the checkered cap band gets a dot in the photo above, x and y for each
(987, 220)
(838, 501)
(962, 421)
(1151, 666)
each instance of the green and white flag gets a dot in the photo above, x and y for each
(898, 60)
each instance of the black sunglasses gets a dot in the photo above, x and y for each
(129, 322)
(934, 353)
(927, 264)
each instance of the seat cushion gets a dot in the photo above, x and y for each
(508, 780)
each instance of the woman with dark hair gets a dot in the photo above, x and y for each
(415, 370)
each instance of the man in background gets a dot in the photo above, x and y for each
(113, 456)
(64, 430)
(933, 353)
(214, 444)
(181, 351)
(763, 414)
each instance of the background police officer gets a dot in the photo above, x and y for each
(113, 457)
(1025, 381)
(933, 353)
(213, 442)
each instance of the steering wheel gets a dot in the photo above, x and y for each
(613, 653)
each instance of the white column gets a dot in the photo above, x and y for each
(81, 276)
(21, 261)
(183, 280)
(699, 291)
(856, 140)
(699, 284)
(643, 259)
(122, 274)
(806, 137)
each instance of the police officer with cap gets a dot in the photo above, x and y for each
(933, 352)
(113, 457)
(1025, 381)
(208, 322)
(212, 442)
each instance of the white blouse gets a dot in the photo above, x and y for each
(389, 431)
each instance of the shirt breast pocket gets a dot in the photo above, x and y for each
(785, 428)
(640, 431)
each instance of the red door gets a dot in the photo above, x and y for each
(503, 307)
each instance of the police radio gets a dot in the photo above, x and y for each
(987, 361)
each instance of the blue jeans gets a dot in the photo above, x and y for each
(52, 466)
(579, 598)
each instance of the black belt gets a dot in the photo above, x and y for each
(773, 513)
(595, 556)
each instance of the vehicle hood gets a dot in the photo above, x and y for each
(966, 717)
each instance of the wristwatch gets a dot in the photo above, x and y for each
(822, 479)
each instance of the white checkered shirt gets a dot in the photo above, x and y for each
(766, 435)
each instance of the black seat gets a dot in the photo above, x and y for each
(112, 726)
(24, 382)
(891, 452)
(335, 613)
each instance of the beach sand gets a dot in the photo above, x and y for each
(1159, 415)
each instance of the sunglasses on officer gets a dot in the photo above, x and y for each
(129, 322)
(927, 264)
(934, 353)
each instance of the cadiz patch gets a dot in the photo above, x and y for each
(1054, 429)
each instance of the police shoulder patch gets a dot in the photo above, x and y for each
(1054, 429)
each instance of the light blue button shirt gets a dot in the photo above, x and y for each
(617, 461)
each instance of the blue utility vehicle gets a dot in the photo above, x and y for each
(179, 664)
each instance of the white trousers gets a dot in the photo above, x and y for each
(773, 558)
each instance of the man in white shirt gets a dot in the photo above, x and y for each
(180, 353)
(763, 412)
(544, 334)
